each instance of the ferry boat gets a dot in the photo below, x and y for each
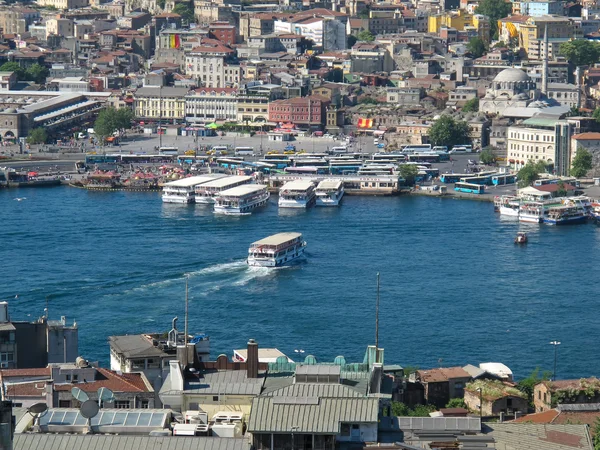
(241, 199)
(329, 192)
(297, 194)
(582, 201)
(276, 250)
(184, 190)
(595, 212)
(531, 212)
(206, 192)
(563, 215)
(507, 205)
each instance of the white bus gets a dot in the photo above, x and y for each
(218, 150)
(338, 150)
(244, 151)
(171, 151)
(417, 148)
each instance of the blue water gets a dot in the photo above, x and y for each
(455, 289)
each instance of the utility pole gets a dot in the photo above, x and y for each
(159, 117)
(377, 322)
(185, 338)
(556, 344)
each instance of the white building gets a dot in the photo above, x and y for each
(205, 105)
(326, 33)
(208, 64)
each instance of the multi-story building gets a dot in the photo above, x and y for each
(370, 58)
(539, 8)
(205, 105)
(404, 96)
(17, 20)
(560, 30)
(8, 81)
(548, 394)
(460, 20)
(59, 27)
(302, 111)
(160, 103)
(326, 29)
(253, 101)
(540, 139)
(257, 24)
(461, 95)
(64, 4)
(208, 63)
(224, 32)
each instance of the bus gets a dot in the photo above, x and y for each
(450, 178)
(218, 150)
(244, 151)
(500, 180)
(101, 159)
(276, 156)
(173, 151)
(417, 148)
(469, 188)
(311, 163)
(338, 150)
(424, 157)
(389, 156)
(481, 179)
(279, 163)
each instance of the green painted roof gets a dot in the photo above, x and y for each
(540, 122)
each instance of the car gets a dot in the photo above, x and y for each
(470, 161)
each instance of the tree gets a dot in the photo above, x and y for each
(37, 136)
(596, 114)
(582, 163)
(581, 52)
(499, 44)
(562, 191)
(123, 118)
(365, 36)
(471, 105)
(596, 434)
(526, 385)
(487, 156)
(456, 403)
(476, 47)
(495, 10)
(449, 132)
(351, 41)
(409, 173)
(105, 125)
(530, 172)
(402, 410)
(161, 3)
(13, 67)
(186, 11)
(37, 73)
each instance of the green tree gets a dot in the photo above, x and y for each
(351, 41)
(596, 114)
(409, 173)
(402, 410)
(186, 11)
(449, 132)
(526, 385)
(37, 136)
(161, 3)
(105, 124)
(123, 118)
(596, 433)
(37, 73)
(581, 52)
(530, 172)
(456, 403)
(487, 156)
(471, 105)
(499, 44)
(495, 10)
(13, 67)
(562, 191)
(365, 36)
(582, 163)
(476, 47)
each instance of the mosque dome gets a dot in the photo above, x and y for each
(512, 76)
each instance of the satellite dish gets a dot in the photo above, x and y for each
(89, 409)
(37, 408)
(79, 394)
(105, 395)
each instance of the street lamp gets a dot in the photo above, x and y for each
(480, 390)
(556, 344)
(293, 429)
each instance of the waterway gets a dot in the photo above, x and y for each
(454, 287)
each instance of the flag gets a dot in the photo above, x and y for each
(172, 41)
(365, 123)
(177, 41)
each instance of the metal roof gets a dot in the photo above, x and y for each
(318, 369)
(135, 345)
(193, 181)
(121, 442)
(244, 189)
(329, 184)
(323, 390)
(325, 417)
(297, 185)
(278, 239)
(227, 181)
(530, 436)
(233, 382)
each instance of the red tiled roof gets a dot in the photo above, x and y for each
(442, 374)
(554, 188)
(586, 136)
(515, 18)
(167, 16)
(38, 372)
(127, 382)
(543, 417)
(31, 389)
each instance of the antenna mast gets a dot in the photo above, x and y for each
(185, 338)
(377, 321)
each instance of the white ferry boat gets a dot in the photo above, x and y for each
(276, 250)
(563, 215)
(297, 194)
(184, 190)
(531, 212)
(329, 192)
(206, 192)
(241, 199)
(507, 205)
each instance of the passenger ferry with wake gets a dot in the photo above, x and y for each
(276, 250)
(297, 194)
(241, 199)
(329, 192)
(184, 190)
(206, 192)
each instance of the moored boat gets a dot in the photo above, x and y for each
(329, 193)
(297, 194)
(241, 199)
(531, 212)
(595, 212)
(276, 250)
(206, 192)
(184, 190)
(508, 205)
(563, 215)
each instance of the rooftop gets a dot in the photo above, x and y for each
(442, 374)
(538, 436)
(493, 389)
(586, 136)
(242, 190)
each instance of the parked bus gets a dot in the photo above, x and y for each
(172, 151)
(244, 151)
(481, 179)
(449, 178)
(469, 188)
(424, 157)
(417, 148)
(388, 156)
(500, 180)
(338, 150)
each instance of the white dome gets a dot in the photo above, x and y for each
(512, 75)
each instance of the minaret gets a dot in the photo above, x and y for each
(545, 64)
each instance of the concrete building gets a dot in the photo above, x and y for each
(440, 385)
(327, 32)
(64, 4)
(17, 20)
(8, 81)
(370, 58)
(305, 112)
(224, 32)
(540, 139)
(166, 103)
(560, 30)
(60, 27)
(404, 96)
(208, 64)
(205, 105)
(510, 88)
(461, 95)
(589, 141)
(537, 8)
(548, 394)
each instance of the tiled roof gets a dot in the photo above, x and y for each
(526, 436)
(31, 389)
(554, 188)
(586, 136)
(543, 417)
(442, 374)
(127, 382)
(38, 372)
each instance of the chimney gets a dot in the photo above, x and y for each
(252, 359)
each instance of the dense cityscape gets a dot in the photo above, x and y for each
(261, 110)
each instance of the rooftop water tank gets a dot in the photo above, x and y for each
(3, 312)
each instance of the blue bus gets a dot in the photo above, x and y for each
(483, 180)
(450, 178)
(499, 180)
(469, 188)
(101, 159)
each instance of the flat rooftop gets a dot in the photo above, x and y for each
(194, 181)
(329, 184)
(242, 190)
(227, 181)
(278, 239)
(297, 185)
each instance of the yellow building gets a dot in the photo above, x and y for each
(165, 103)
(458, 19)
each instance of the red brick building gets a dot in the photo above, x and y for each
(224, 32)
(309, 112)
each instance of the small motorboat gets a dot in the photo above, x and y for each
(521, 238)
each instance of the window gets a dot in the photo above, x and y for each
(145, 404)
(122, 404)
(215, 398)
